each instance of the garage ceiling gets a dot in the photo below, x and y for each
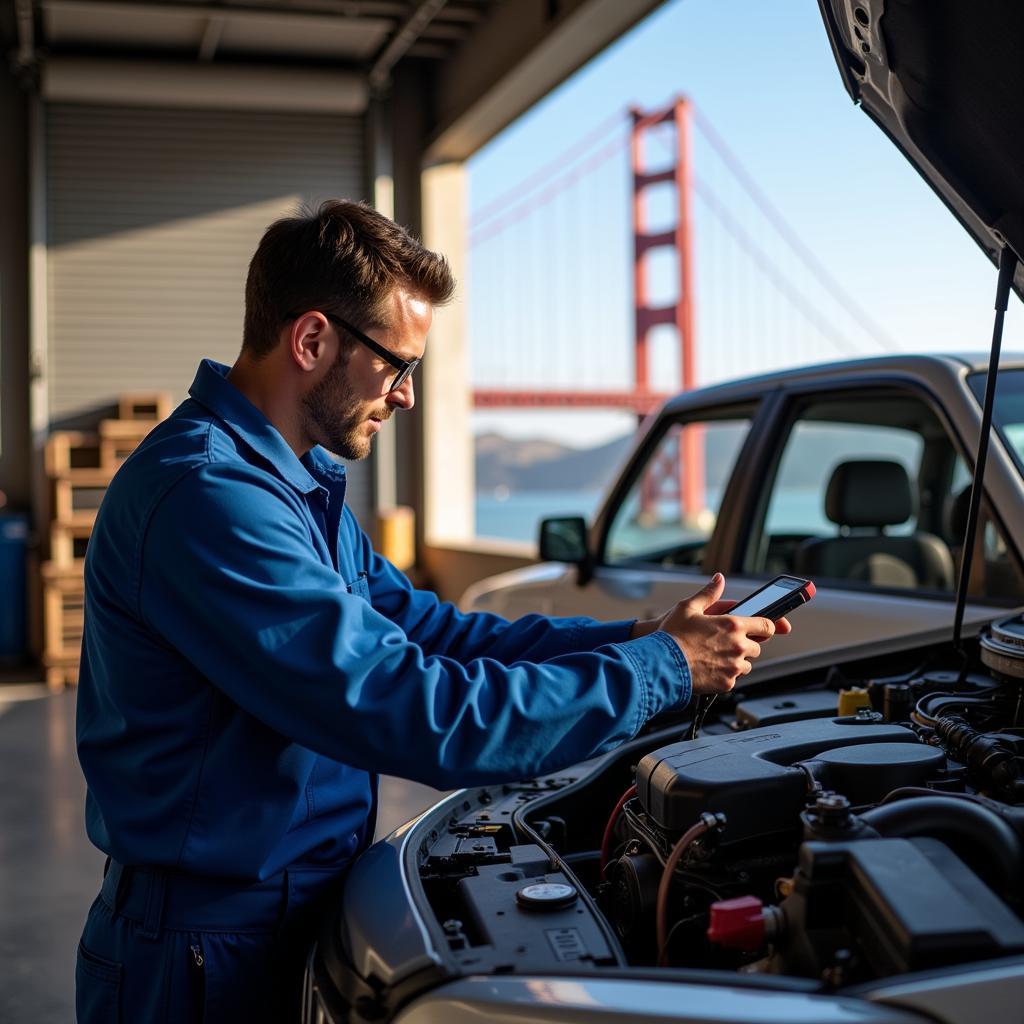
(482, 62)
(367, 33)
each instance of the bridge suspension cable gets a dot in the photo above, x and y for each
(805, 254)
(764, 264)
(478, 218)
(550, 279)
(523, 207)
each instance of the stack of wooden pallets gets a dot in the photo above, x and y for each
(80, 465)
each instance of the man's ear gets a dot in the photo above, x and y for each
(309, 341)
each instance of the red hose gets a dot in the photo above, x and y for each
(609, 830)
(694, 832)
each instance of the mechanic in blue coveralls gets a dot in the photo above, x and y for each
(250, 663)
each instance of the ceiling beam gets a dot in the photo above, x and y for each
(364, 10)
(211, 37)
(439, 30)
(464, 12)
(25, 56)
(428, 51)
(512, 60)
(149, 83)
(225, 12)
(398, 46)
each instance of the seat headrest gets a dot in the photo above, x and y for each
(869, 492)
(957, 514)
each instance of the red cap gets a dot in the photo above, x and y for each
(738, 923)
(810, 590)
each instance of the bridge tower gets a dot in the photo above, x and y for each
(681, 478)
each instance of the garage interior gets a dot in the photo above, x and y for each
(147, 144)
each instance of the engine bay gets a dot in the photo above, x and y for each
(829, 832)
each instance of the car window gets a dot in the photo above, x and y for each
(869, 489)
(1008, 411)
(995, 570)
(812, 453)
(857, 494)
(670, 511)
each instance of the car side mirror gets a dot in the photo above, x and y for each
(564, 539)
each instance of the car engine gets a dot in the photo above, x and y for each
(816, 832)
(836, 834)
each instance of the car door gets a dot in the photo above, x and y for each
(753, 502)
(905, 481)
(657, 531)
(659, 534)
(865, 492)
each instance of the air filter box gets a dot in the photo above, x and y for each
(750, 776)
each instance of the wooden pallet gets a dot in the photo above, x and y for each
(144, 405)
(63, 623)
(119, 438)
(61, 674)
(71, 449)
(68, 450)
(77, 494)
(81, 465)
(68, 542)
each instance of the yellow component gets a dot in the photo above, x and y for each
(396, 533)
(852, 699)
(783, 887)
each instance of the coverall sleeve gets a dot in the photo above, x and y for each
(440, 628)
(246, 599)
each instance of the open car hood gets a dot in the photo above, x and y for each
(944, 79)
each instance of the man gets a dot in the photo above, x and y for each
(250, 663)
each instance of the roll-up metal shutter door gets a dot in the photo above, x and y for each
(153, 215)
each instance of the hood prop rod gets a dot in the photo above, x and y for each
(1007, 267)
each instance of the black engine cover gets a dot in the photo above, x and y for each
(750, 776)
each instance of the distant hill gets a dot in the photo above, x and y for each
(537, 465)
(544, 465)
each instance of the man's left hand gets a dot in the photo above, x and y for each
(643, 627)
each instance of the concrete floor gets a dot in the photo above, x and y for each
(49, 872)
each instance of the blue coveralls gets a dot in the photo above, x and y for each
(249, 664)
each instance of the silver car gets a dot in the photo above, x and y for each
(842, 839)
(854, 475)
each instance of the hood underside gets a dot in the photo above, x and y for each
(944, 79)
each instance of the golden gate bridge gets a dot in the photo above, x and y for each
(801, 285)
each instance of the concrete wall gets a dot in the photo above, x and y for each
(444, 375)
(449, 570)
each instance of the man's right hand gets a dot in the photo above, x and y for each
(718, 646)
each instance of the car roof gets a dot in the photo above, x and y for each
(922, 365)
(944, 79)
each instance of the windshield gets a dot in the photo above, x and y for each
(1008, 413)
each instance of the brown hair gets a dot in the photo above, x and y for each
(344, 258)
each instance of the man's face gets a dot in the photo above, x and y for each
(348, 405)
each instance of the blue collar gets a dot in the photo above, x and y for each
(212, 388)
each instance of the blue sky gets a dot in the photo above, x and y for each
(550, 298)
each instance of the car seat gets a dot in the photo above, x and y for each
(863, 498)
(994, 571)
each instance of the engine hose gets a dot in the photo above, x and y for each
(987, 756)
(1013, 816)
(609, 830)
(705, 823)
(982, 836)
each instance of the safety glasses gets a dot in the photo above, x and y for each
(404, 367)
